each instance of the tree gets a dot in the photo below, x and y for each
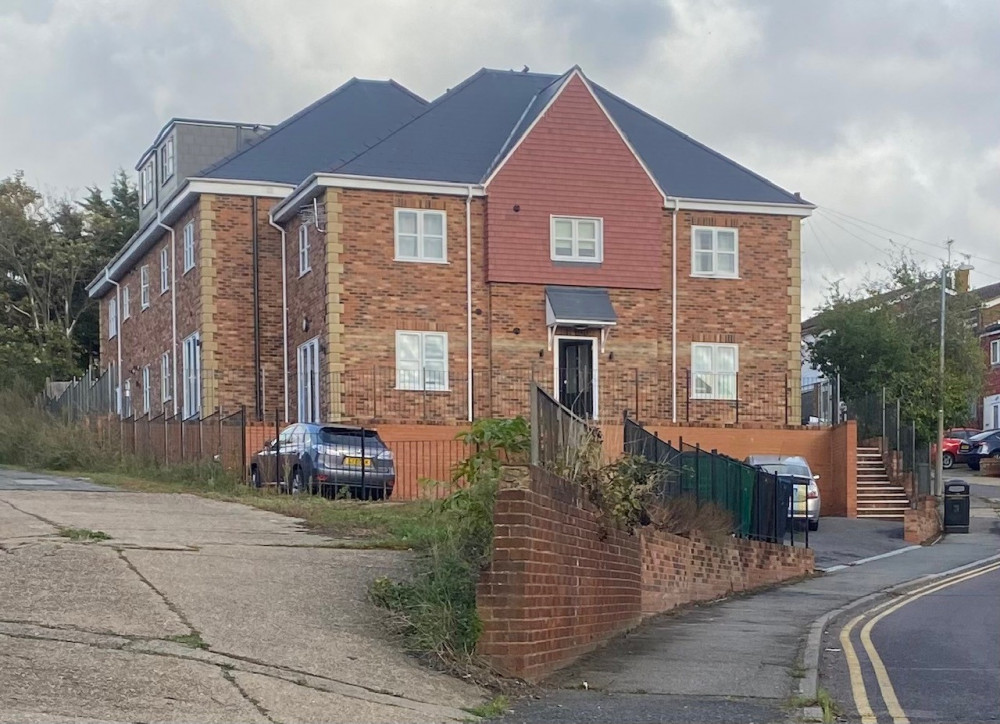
(887, 334)
(49, 251)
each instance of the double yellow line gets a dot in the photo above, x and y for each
(881, 675)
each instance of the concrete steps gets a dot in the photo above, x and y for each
(878, 497)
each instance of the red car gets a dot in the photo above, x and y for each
(952, 448)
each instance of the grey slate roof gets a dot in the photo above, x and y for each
(335, 128)
(578, 304)
(988, 293)
(462, 135)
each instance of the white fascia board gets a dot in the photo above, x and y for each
(746, 207)
(189, 193)
(311, 187)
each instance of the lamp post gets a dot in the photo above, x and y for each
(939, 457)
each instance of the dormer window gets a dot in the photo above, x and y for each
(167, 160)
(146, 182)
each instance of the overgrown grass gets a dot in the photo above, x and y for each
(435, 610)
(497, 706)
(192, 640)
(83, 535)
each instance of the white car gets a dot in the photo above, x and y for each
(805, 502)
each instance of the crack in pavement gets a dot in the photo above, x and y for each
(169, 604)
(33, 515)
(228, 676)
(162, 647)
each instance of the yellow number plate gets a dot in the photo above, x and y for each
(358, 462)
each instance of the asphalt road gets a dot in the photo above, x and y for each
(11, 479)
(938, 654)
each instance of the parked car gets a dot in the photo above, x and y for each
(805, 502)
(328, 458)
(952, 452)
(984, 445)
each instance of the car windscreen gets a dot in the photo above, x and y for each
(785, 469)
(349, 438)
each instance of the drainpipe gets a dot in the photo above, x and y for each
(284, 309)
(173, 307)
(673, 309)
(118, 335)
(468, 297)
(258, 391)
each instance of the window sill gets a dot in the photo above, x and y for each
(420, 261)
(715, 276)
(164, 291)
(421, 389)
(302, 272)
(184, 273)
(144, 308)
(570, 260)
(701, 398)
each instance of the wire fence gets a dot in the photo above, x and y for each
(758, 502)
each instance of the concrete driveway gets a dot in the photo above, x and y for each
(193, 610)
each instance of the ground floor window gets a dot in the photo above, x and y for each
(713, 371)
(192, 376)
(421, 360)
(308, 379)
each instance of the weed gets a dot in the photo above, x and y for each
(823, 700)
(436, 610)
(495, 707)
(84, 535)
(192, 640)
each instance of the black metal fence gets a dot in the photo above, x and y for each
(757, 501)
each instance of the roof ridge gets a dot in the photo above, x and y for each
(677, 132)
(437, 102)
(299, 114)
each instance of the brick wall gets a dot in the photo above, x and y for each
(677, 571)
(922, 524)
(560, 584)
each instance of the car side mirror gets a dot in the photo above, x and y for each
(815, 477)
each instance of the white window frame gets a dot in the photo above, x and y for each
(146, 392)
(126, 303)
(127, 399)
(995, 352)
(412, 374)
(715, 375)
(304, 266)
(164, 270)
(144, 286)
(715, 273)
(575, 257)
(308, 374)
(165, 386)
(188, 246)
(112, 318)
(147, 185)
(192, 376)
(167, 160)
(421, 257)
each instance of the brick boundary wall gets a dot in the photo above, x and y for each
(922, 523)
(560, 585)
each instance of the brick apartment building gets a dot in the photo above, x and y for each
(378, 257)
(989, 336)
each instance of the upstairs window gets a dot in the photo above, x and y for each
(577, 239)
(146, 182)
(713, 371)
(188, 246)
(112, 319)
(421, 361)
(167, 160)
(995, 352)
(126, 306)
(715, 252)
(164, 270)
(420, 235)
(304, 249)
(144, 287)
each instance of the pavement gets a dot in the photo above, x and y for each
(744, 659)
(194, 610)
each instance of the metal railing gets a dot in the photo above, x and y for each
(758, 502)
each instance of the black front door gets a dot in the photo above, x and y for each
(576, 375)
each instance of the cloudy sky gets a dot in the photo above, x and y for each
(885, 114)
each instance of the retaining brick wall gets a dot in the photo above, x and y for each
(922, 524)
(560, 584)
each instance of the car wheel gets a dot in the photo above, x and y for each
(995, 454)
(255, 479)
(298, 483)
(947, 460)
(813, 525)
(974, 464)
